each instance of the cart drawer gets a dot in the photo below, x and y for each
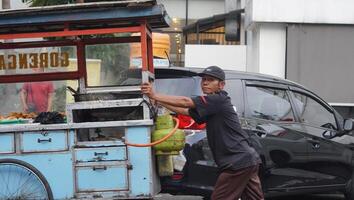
(100, 154)
(7, 143)
(101, 178)
(43, 141)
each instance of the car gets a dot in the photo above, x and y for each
(307, 147)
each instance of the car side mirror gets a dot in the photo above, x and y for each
(348, 124)
(329, 134)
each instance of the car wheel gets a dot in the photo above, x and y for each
(349, 193)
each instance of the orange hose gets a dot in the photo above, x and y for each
(158, 141)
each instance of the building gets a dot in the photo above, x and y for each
(307, 41)
(310, 42)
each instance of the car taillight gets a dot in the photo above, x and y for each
(186, 122)
(177, 176)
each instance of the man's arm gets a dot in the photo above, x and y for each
(175, 101)
(178, 110)
(50, 102)
(23, 97)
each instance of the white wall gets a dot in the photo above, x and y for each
(266, 49)
(174, 8)
(15, 4)
(205, 8)
(252, 64)
(301, 11)
(197, 8)
(225, 56)
(18, 4)
(272, 48)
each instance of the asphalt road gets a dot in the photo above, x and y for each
(311, 197)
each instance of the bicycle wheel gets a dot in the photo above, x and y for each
(20, 180)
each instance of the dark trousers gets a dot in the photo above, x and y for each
(235, 184)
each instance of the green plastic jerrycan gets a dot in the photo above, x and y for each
(164, 122)
(172, 145)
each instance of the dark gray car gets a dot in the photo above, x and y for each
(307, 147)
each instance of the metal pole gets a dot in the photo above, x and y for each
(10, 89)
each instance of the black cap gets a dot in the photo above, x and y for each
(213, 71)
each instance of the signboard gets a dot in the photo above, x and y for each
(34, 60)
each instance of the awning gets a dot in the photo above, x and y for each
(83, 16)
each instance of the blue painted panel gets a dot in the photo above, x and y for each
(100, 154)
(51, 141)
(7, 143)
(56, 168)
(140, 158)
(100, 178)
(71, 137)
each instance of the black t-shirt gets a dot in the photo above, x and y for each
(227, 141)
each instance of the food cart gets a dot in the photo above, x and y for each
(85, 157)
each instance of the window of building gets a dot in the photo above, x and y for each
(210, 31)
(186, 15)
(176, 54)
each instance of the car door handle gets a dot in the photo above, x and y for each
(315, 143)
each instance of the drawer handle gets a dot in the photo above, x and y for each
(101, 154)
(44, 140)
(99, 168)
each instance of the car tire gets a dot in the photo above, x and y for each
(349, 193)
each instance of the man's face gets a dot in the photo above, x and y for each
(211, 85)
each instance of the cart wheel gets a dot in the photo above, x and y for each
(20, 180)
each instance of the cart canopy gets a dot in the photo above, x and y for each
(83, 16)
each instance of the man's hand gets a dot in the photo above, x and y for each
(25, 108)
(146, 88)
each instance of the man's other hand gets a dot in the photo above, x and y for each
(25, 109)
(146, 88)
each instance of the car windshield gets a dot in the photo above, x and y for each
(187, 86)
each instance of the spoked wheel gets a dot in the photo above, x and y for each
(19, 180)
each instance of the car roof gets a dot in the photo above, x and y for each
(180, 72)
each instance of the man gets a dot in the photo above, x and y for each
(37, 97)
(237, 161)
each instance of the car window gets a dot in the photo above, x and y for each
(234, 88)
(189, 86)
(312, 112)
(269, 103)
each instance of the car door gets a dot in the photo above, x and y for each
(329, 159)
(270, 114)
